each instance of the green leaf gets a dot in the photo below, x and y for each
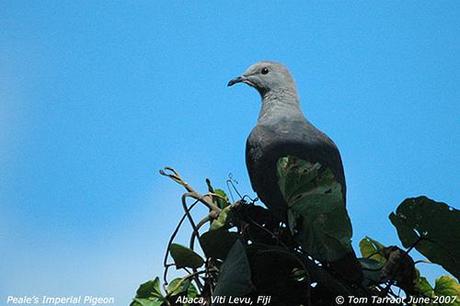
(181, 286)
(185, 257)
(447, 286)
(235, 273)
(221, 203)
(217, 243)
(177, 286)
(439, 225)
(423, 287)
(223, 218)
(146, 302)
(149, 294)
(372, 249)
(317, 215)
(150, 289)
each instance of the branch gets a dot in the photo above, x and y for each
(171, 239)
(206, 199)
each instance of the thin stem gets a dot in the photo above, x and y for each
(198, 226)
(195, 229)
(175, 176)
(171, 239)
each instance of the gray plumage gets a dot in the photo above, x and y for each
(282, 130)
(297, 171)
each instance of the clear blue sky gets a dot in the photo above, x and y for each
(96, 96)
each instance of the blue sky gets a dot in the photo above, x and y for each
(95, 97)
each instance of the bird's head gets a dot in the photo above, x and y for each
(266, 76)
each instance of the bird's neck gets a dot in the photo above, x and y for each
(278, 105)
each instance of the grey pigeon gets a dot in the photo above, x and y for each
(297, 172)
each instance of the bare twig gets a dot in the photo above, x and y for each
(198, 226)
(171, 239)
(231, 185)
(196, 233)
(175, 176)
(195, 229)
(204, 199)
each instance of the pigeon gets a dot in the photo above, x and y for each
(297, 172)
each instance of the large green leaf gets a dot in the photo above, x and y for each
(235, 273)
(185, 257)
(439, 225)
(444, 286)
(149, 294)
(217, 243)
(149, 289)
(423, 287)
(316, 210)
(181, 286)
(449, 287)
(372, 249)
(146, 302)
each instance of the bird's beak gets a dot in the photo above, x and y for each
(239, 79)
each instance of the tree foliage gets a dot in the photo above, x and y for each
(240, 249)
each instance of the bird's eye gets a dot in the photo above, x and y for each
(264, 70)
